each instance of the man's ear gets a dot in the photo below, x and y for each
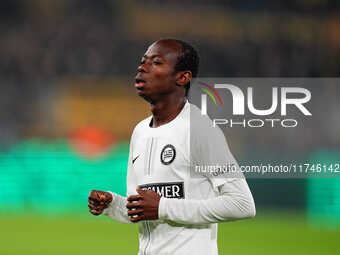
(183, 77)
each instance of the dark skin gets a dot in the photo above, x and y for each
(98, 201)
(164, 88)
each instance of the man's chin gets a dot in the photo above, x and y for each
(143, 95)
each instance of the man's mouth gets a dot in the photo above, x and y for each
(139, 83)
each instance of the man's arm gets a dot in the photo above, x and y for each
(108, 203)
(234, 202)
(117, 209)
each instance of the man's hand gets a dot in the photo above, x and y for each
(98, 201)
(143, 206)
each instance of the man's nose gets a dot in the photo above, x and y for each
(142, 68)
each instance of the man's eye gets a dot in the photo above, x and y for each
(157, 63)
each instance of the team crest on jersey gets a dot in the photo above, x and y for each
(168, 154)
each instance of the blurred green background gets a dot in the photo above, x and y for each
(269, 233)
(68, 108)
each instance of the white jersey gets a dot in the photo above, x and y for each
(161, 159)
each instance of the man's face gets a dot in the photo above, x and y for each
(156, 76)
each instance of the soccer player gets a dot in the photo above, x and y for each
(177, 211)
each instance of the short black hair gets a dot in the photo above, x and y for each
(188, 60)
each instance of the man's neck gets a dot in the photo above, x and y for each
(164, 112)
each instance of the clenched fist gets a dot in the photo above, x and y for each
(98, 201)
(143, 206)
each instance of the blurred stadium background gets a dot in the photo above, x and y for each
(68, 107)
